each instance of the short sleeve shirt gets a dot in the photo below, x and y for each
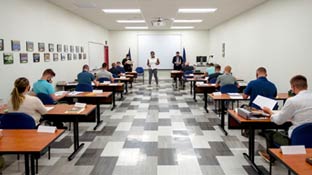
(43, 86)
(226, 79)
(85, 77)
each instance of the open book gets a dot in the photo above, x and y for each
(77, 108)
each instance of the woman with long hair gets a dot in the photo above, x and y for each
(22, 102)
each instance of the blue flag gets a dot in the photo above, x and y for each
(129, 53)
(184, 55)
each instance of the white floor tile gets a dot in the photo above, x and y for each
(112, 149)
(124, 126)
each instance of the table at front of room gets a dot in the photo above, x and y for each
(91, 98)
(175, 75)
(28, 142)
(225, 97)
(124, 80)
(193, 81)
(295, 163)
(59, 113)
(252, 125)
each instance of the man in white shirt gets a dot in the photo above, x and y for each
(297, 110)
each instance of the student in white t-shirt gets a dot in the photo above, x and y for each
(152, 64)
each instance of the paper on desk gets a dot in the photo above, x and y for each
(234, 94)
(48, 108)
(294, 149)
(46, 129)
(80, 105)
(216, 93)
(264, 102)
(199, 83)
(236, 97)
(106, 82)
(59, 93)
(74, 93)
(97, 91)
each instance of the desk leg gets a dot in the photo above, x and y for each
(26, 156)
(251, 151)
(222, 117)
(114, 104)
(126, 87)
(194, 94)
(77, 146)
(98, 116)
(205, 101)
(191, 87)
(32, 164)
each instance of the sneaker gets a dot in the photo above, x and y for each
(264, 155)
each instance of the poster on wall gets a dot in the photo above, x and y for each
(223, 50)
(65, 48)
(46, 57)
(84, 56)
(23, 57)
(1, 45)
(81, 49)
(77, 49)
(29, 46)
(63, 56)
(36, 57)
(80, 56)
(55, 57)
(69, 56)
(71, 49)
(8, 58)
(59, 48)
(74, 56)
(16, 45)
(51, 47)
(41, 47)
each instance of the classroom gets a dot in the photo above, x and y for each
(154, 104)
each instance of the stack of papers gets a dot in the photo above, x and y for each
(264, 102)
(235, 95)
(46, 129)
(78, 107)
(97, 91)
(74, 93)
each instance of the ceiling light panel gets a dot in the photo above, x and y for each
(182, 27)
(130, 21)
(197, 10)
(137, 27)
(122, 11)
(187, 21)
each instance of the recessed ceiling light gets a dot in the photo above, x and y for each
(182, 27)
(187, 21)
(122, 11)
(198, 10)
(131, 21)
(137, 27)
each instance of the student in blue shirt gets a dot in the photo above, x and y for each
(261, 86)
(85, 77)
(44, 85)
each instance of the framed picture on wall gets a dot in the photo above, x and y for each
(81, 49)
(84, 56)
(74, 56)
(69, 56)
(1, 45)
(41, 47)
(223, 50)
(59, 48)
(23, 57)
(71, 49)
(55, 57)
(8, 58)
(51, 47)
(29, 46)
(16, 45)
(63, 56)
(80, 56)
(65, 48)
(46, 57)
(77, 49)
(36, 57)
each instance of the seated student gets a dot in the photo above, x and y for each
(85, 77)
(226, 78)
(114, 69)
(216, 74)
(22, 102)
(297, 110)
(261, 86)
(119, 67)
(103, 73)
(187, 67)
(44, 85)
(210, 69)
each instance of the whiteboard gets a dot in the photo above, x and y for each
(164, 45)
(96, 55)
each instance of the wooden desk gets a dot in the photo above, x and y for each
(58, 113)
(193, 82)
(134, 73)
(91, 98)
(252, 125)
(176, 74)
(295, 163)
(125, 81)
(28, 142)
(225, 97)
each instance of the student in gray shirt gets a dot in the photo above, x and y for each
(226, 78)
(103, 73)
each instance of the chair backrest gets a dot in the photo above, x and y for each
(17, 120)
(102, 79)
(301, 135)
(229, 88)
(121, 69)
(187, 72)
(212, 80)
(139, 70)
(46, 99)
(84, 87)
(115, 76)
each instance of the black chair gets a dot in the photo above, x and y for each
(84, 87)
(46, 99)
(18, 120)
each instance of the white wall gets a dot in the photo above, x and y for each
(40, 21)
(277, 35)
(195, 43)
